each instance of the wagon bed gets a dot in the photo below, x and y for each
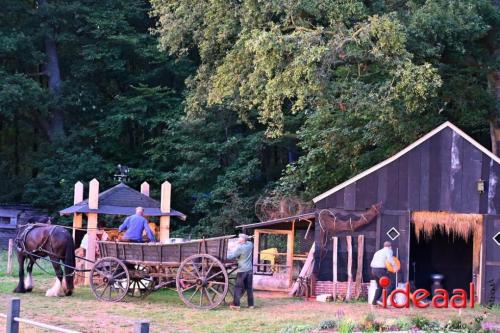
(199, 269)
(165, 254)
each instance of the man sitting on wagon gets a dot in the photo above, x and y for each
(135, 225)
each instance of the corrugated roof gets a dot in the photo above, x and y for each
(122, 200)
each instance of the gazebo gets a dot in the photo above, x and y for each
(118, 200)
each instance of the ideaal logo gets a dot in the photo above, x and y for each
(441, 298)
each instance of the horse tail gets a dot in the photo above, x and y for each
(69, 265)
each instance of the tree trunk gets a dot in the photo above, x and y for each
(494, 81)
(55, 126)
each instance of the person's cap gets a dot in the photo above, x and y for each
(387, 244)
(243, 236)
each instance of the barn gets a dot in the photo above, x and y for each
(440, 208)
(439, 205)
(12, 215)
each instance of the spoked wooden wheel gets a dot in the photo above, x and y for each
(141, 283)
(109, 279)
(202, 282)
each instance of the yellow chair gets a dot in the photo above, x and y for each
(270, 255)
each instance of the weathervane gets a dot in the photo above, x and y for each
(122, 173)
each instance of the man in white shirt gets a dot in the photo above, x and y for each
(378, 267)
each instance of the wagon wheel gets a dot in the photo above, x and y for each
(109, 279)
(202, 282)
(231, 274)
(141, 283)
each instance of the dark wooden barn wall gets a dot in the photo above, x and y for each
(491, 263)
(5, 235)
(438, 175)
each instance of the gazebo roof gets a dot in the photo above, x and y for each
(122, 200)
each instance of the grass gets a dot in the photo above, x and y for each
(166, 312)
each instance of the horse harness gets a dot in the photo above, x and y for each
(21, 241)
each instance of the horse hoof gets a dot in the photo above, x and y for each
(69, 292)
(28, 290)
(19, 291)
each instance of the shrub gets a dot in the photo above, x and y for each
(420, 322)
(327, 324)
(404, 324)
(346, 325)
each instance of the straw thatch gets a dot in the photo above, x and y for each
(453, 224)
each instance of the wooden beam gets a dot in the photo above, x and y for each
(10, 251)
(166, 191)
(145, 188)
(349, 267)
(92, 226)
(77, 198)
(289, 253)
(359, 267)
(334, 268)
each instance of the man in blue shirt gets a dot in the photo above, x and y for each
(135, 225)
(244, 275)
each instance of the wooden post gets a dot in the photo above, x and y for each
(145, 188)
(141, 327)
(349, 267)
(334, 255)
(77, 217)
(166, 190)
(289, 256)
(359, 267)
(92, 226)
(9, 256)
(13, 312)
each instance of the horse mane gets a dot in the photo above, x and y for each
(39, 219)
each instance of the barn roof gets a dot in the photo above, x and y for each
(405, 151)
(299, 217)
(122, 200)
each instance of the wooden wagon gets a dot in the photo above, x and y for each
(198, 269)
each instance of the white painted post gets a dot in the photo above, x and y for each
(10, 250)
(145, 188)
(166, 190)
(92, 226)
(77, 198)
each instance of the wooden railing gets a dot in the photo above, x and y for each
(13, 319)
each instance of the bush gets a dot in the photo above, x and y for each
(420, 322)
(346, 325)
(327, 324)
(404, 324)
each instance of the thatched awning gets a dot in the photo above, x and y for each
(454, 224)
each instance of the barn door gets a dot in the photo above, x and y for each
(490, 281)
(394, 226)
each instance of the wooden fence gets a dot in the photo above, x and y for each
(13, 319)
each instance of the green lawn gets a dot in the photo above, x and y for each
(167, 313)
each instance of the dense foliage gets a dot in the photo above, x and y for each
(231, 100)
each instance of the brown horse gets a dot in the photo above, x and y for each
(52, 241)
